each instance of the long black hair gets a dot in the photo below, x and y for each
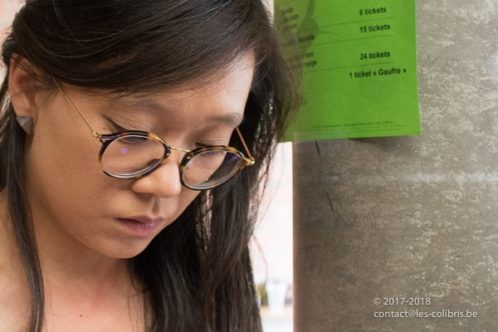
(196, 273)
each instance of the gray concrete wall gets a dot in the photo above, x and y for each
(409, 217)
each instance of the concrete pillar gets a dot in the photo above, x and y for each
(391, 218)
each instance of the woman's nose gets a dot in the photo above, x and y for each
(164, 181)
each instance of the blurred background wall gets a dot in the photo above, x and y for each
(377, 220)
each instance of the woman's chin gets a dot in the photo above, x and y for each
(125, 250)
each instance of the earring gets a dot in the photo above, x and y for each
(26, 123)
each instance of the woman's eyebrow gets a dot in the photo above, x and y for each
(232, 119)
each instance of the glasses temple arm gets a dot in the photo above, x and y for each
(94, 133)
(250, 157)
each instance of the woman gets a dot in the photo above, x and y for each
(134, 139)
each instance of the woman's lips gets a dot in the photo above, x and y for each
(141, 225)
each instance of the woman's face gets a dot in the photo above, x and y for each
(76, 206)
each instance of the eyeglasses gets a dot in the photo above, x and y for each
(133, 154)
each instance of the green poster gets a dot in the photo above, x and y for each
(359, 67)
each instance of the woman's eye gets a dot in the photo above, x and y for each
(206, 143)
(115, 127)
(201, 145)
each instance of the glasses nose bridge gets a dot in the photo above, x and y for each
(170, 148)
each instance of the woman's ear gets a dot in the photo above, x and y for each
(23, 87)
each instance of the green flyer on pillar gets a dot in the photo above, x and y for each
(359, 67)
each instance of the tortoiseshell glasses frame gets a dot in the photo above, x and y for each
(232, 162)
